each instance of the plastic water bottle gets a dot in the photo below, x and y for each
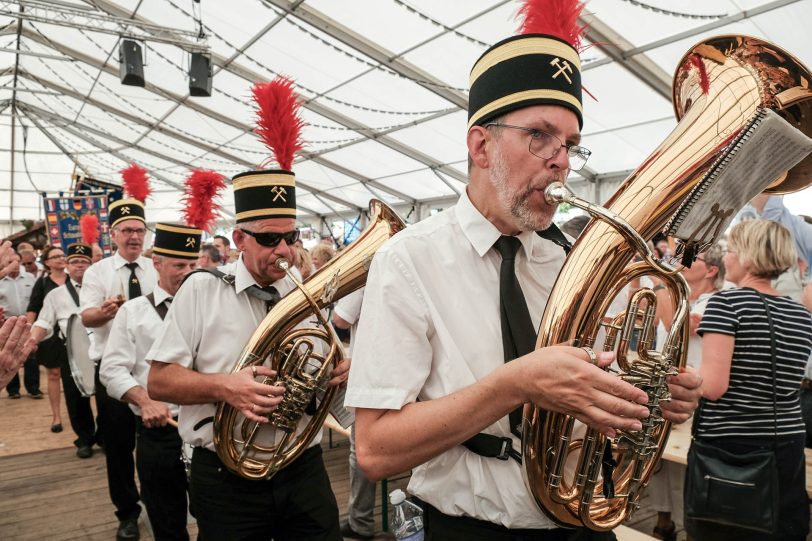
(407, 518)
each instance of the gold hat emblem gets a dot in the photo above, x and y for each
(125, 210)
(190, 242)
(279, 192)
(80, 249)
(564, 69)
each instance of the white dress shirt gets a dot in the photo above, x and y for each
(16, 292)
(124, 364)
(57, 308)
(108, 278)
(206, 329)
(429, 327)
(349, 309)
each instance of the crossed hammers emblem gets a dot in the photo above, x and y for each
(125, 210)
(564, 69)
(279, 192)
(190, 242)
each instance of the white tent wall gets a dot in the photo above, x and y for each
(383, 83)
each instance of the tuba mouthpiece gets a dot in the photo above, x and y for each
(556, 193)
(282, 264)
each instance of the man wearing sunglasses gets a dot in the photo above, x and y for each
(450, 300)
(106, 286)
(191, 366)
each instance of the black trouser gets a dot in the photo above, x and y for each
(30, 378)
(117, 427)
(296, 504)
(79, 412)
(793, 514)
(442, 527)
(163, 480)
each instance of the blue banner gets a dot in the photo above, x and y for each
(62, 215)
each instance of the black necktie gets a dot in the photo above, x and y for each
(518, 333)
(135, 285)
(273, 295)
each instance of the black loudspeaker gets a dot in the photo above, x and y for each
(131, 63)
(200, 75)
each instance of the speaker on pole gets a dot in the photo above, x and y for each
(131, 63)
(200, 75)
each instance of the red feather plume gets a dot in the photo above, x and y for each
(136, 182)
(557, 18)
(202, 186)
(279, 125)
(89, 225)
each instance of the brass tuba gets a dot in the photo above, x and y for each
(719, 86)
(257, 451)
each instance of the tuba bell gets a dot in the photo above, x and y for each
(720, 87)
(257, 451)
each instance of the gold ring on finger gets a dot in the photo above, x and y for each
(592, 357)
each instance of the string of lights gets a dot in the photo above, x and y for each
(661, 11)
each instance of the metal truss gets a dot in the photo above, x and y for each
(81, 18)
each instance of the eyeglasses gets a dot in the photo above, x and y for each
(270, 240)
(50, 257)
(129, 232)
(547, 146)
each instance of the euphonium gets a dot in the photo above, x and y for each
(257, 451)
(719, 86)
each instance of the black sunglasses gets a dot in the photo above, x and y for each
(270, 240)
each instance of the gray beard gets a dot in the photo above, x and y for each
(516, 203)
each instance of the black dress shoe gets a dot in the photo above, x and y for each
(37, 395)
(84, 451)
(57, 428)
(14, 395)
(128, 530)
(349, 533)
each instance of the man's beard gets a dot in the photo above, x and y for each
(517, 203)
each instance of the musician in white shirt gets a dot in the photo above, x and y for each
(124, 369)
(57, 307)
(107, 285)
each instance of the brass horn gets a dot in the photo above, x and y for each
(257, 451)
(719, 86)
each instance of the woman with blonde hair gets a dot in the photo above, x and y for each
(755, 344)
(321, 255)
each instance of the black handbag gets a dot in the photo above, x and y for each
(738, 490)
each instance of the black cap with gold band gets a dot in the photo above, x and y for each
(524, 70)
(173, 240)
(125, 209)
(264, 194)
(79, 250)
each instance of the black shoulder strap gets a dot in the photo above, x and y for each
(72, 290)
(160, 308)
(217, 273)
(554, 235)
(254, 290)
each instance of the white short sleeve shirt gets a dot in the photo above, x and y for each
(206, 330)
(430, 326)
(105, 279)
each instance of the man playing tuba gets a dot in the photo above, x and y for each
(445, 309)
(192, 366)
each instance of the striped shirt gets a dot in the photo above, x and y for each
(746, 409)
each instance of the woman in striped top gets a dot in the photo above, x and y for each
(737, 414)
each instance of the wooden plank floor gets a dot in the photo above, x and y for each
(49, 494)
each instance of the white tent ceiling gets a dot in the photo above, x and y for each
(384, 83)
